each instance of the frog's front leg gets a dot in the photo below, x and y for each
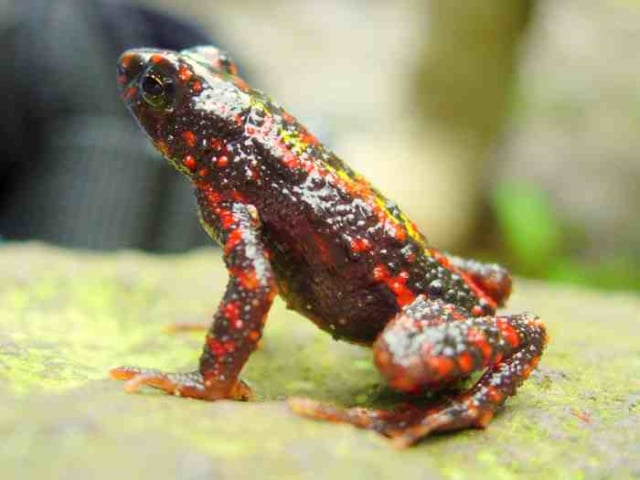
(431, 345)
(237, 324)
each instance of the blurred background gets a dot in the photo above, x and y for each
(507, 129)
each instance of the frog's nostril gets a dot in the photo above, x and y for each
(129, 65)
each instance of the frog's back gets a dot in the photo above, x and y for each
(344, 255)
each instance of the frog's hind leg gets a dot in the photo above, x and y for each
(385, 422)
(430, 345)
(494, 280)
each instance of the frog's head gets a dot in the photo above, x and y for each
(185, 101)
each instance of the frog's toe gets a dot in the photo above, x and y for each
(359, 417)
(180, 384)
(392, 424)
(191, 384)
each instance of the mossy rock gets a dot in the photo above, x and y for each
(67, 317)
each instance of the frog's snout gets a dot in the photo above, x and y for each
(124, 62)
(130, 65)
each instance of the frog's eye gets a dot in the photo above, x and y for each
(156, 91)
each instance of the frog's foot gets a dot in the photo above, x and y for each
(403, 426)
(191, 385)
(382, 421)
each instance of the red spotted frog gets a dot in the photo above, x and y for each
(294, 220)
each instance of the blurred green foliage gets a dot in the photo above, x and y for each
(539, 244)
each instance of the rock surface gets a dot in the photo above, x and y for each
(67, 316)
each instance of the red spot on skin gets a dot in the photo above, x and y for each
(307, 138)
(127, 59)
(213, 197)
(442, 260)
(215, 346)
(129, 93)
(308, 166)
(287, 117)
(222, 161)
(184, 73)
(197, 86)
(359, 245)
(231, 311)
(238, 196)
(190, 162)
(404, 295)
(290, 160)
(396, 284)
(227, 219)
(497, 359)
(189, 138)
(253, 335)
(234, 239)
(465, 362)
(216, 144)
(404, 384)
(494, 395)
(442, 366)
(248, 280)
(157, 58)
(508, 332)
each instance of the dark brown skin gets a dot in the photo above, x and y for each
(294, 220)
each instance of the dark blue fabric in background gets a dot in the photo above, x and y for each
(75, 169)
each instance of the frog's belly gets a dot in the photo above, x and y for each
(338, 305)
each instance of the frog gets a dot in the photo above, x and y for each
(294, 220)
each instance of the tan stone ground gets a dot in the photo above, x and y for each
(66, 317)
